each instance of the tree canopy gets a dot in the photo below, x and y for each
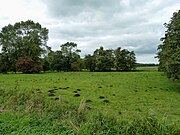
(68, 59)
(107, 60)
(24, 49)
(169, 50)
(22, 40)
(70, 54)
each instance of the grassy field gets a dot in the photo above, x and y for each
(148, 68)
(81, 102)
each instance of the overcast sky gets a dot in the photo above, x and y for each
(136, 25)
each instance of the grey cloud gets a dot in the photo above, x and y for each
(149, 47)
(131, 24)
(64, 8)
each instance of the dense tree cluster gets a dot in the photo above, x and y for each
(24, 49)
(169, 50)
(22, 41)
(68, 59)
(65, 59)
(107, 60)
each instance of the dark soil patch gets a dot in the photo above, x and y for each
(101, 97)
(65, 88)
(106, 101)
(78, 89)
(51, 91)
(57, 98)
(88, 100)
(77, 95)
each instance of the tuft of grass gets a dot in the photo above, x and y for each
(98, 124)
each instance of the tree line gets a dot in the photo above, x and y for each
(169, 50)
(24, 49)
(68, 59)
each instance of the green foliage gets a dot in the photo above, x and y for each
(71, 55)
(51, 123)
(29, 40)
(4, 63)
(104, 59)
(124, 59)
(46, 64)
(57, 61)
(23, 39)
(90, 62)
(169, 50)
(68, 59)
(77, 65)
(140, 126)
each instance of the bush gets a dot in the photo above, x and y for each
(27, 65)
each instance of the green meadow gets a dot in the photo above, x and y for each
(89, 103)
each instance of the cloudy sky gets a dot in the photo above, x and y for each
(136, 25)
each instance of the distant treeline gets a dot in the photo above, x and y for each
(68, 59)
(146, 64)
(24, 49)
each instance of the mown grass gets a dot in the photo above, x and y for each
(148, 68)
(136, 103)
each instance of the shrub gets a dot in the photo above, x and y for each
(27, 65)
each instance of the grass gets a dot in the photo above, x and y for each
(148, 68)
(136, 103)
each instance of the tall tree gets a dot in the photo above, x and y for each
(124, 59)
(132, 61)
(169, 50)
(4, 63)
(90, 62)
(104, 59)
(58, 62)
(23, 40)
(118, 59)
(71, 54)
